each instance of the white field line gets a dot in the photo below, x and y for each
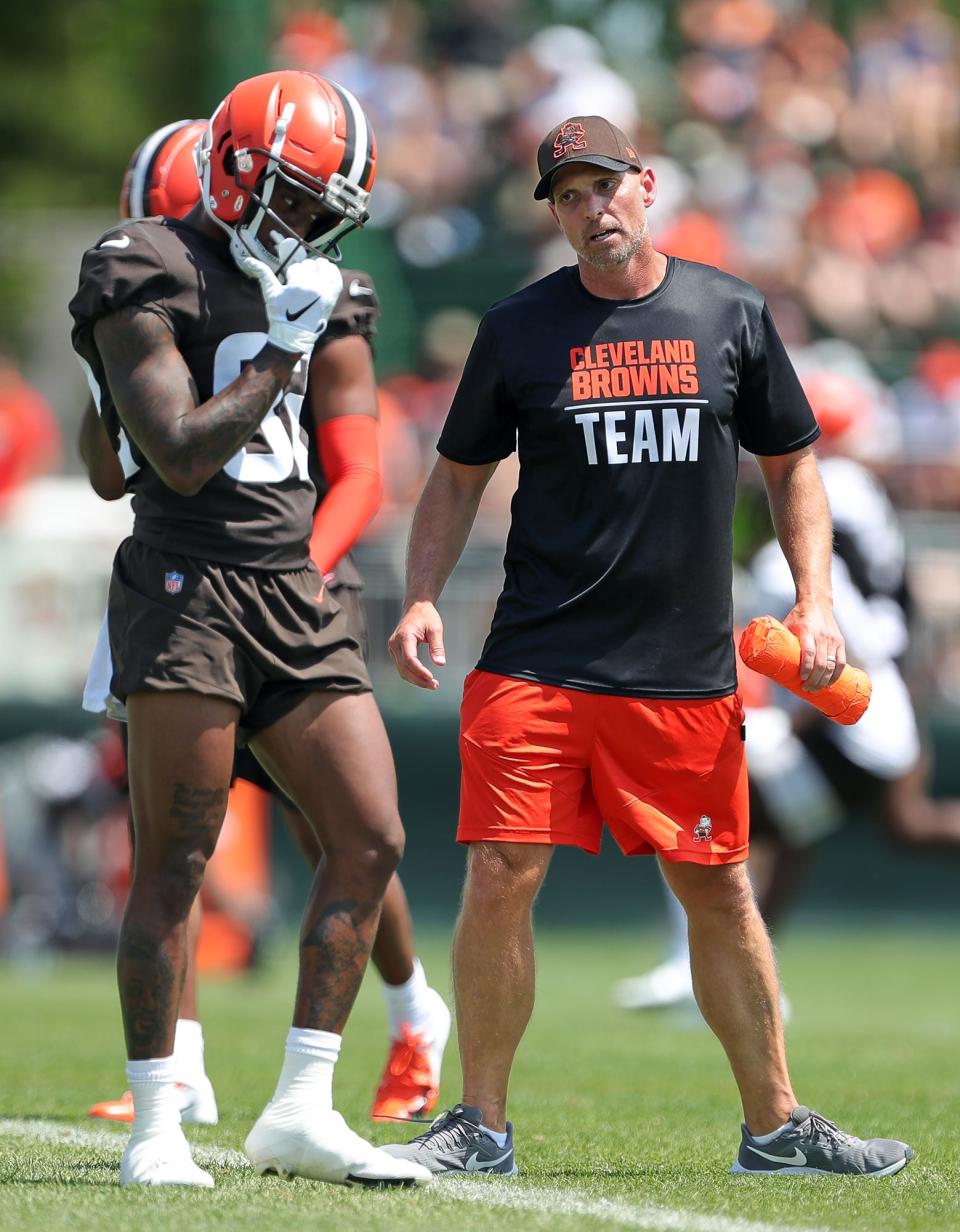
(514, 1195)
(484, 1191)
(109, 1140)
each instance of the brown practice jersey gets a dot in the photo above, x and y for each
(257, 510)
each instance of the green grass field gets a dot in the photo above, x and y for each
(622, 1121)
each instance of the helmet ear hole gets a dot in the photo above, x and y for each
(229, 161)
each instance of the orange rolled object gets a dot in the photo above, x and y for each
(768, 647)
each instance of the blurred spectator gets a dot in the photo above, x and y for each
(29, 436)
(476, 33)
(820, 165)
(560, 72)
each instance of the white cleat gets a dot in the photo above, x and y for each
(197, 1102)
(667, 985)
(161, 1159)
(322, 1147)
(670, 986)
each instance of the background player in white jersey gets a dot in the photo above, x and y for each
(341, 414)
(806, 773)
(197, 336)
(605, 694)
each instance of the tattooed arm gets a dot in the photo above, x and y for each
(99, 457)
(156, 398)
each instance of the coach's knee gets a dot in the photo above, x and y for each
(718, 890)
(504, 875)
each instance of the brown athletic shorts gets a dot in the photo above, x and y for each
(254, 636)
(245, 764)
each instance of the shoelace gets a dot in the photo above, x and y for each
(833, 1131)
(447, 1132)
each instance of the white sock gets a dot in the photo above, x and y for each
(188, 1051)
(155, 1101)
(308, 1065)
(765, 1138)
(677, 951)
(407, 1003)
(499, 1138)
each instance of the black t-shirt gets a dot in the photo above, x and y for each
(257, 511)
(627, 417)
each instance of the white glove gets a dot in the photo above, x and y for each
(299, 307)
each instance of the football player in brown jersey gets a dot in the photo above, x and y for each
(161, 180)
(196, 336)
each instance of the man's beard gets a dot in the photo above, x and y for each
(612, 258)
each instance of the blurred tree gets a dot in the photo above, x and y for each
(82, 83)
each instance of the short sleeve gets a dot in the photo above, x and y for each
(123, 270)
(356, 311)
(482, 424)
(772, 412)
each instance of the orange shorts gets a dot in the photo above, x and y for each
(542, 764)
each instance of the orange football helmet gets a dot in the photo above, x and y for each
(161, 177)
(294, 128)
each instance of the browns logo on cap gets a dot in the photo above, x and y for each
(572, 136)
(583, 139)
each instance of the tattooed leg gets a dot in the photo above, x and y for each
(393, 949)
(335, 944)
(332, 757)
(178, 790)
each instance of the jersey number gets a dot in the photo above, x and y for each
(287, 450)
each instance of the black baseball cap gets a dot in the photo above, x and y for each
(583, 139)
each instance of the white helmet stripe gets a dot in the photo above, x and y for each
(361, 142)
(202, 157)
(270, 175)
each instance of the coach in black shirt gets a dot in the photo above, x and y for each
(605, 694)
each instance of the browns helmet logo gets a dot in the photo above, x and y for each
(571, 137)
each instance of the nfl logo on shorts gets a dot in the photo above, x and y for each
(173, 582)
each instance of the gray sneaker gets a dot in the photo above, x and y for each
(455, 1143)
(815, 1146)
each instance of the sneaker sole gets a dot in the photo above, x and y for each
(889, 1170)
(275, 1168)
(515, 1171)
(362, 1182)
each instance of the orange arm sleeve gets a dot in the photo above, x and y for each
(771, 649)
(350, 458)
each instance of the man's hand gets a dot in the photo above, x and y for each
(297, 309)
(823, 655)
(420, 623)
